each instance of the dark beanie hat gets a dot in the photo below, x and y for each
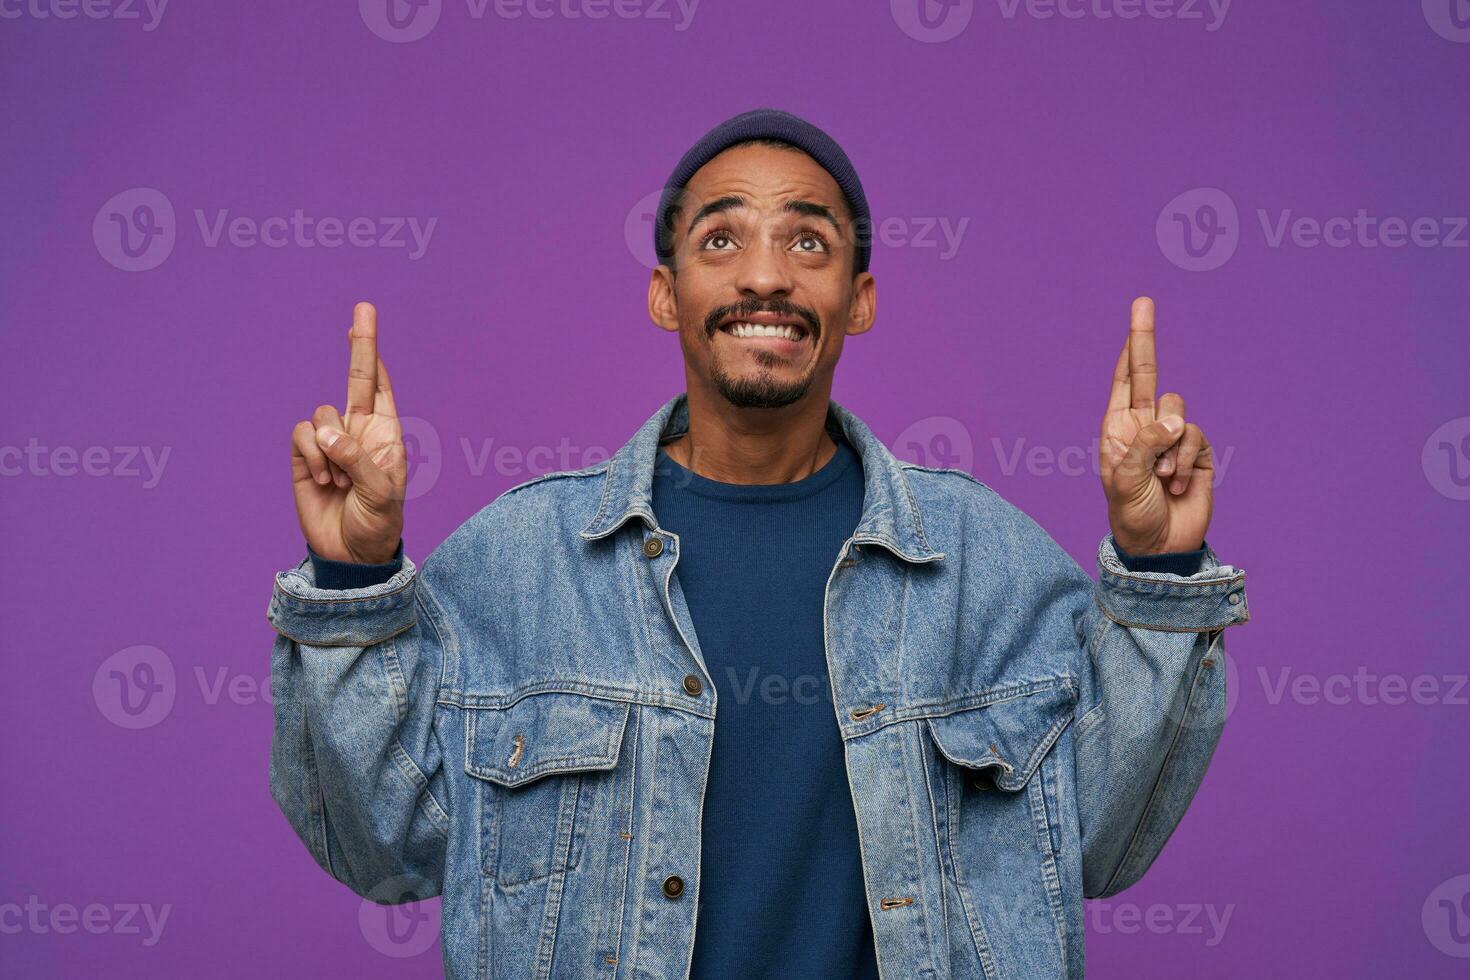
(755, 124)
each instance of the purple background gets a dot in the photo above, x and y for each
(1322, 829)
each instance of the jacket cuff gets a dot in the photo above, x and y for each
(1211, 598)
(333, 574)
(303, 611)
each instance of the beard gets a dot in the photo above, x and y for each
(762, 391)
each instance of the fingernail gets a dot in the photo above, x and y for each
(1174, 424)
(328, 437)
(1176, 487)
(324, 477)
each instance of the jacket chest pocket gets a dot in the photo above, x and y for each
(1001, 816)
(544, 761)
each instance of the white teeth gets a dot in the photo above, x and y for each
(785, 331)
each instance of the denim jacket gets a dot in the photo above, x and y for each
(523, 724)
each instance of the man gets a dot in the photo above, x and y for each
(753, 698)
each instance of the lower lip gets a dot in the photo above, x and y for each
(777, 345)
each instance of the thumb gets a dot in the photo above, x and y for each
(1136, 470)
(344, 450)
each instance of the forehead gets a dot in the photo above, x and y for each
(767, 175)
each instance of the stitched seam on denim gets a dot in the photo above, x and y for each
(314, 777)
(415, 776)
(1050, 875)
(1154, 793)
(1205, 628)
(425, 601)
(1099, 632)
(912, 750)
(1158, 586)
(979, 935)
(923, 764)
(607, 485)
(908, 493)
(956, 706)
(350, 642)
(555, 763)
(283, 578)
(621, 924)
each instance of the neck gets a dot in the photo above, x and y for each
(754, 445)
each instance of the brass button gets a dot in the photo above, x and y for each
(692, 685)
(653, 547)
(673, 886)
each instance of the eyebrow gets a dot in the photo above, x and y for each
(731, 202)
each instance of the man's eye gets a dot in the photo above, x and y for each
(716, 236)
(818, 243)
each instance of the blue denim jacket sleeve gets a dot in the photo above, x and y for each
(1151, 707)
(355, 763)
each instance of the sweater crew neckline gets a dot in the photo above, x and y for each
(668, 468)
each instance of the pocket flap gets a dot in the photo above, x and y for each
(1010, 736)
(543, 733)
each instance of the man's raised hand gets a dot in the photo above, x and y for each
(349, 471)
(1157, 470)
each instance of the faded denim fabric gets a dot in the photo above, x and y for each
(509, 725)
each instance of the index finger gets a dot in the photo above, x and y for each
(1143, 368)
(362, 371)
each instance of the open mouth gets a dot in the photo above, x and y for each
(745, 330)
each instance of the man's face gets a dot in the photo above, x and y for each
(762, 240)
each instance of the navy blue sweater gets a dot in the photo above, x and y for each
(781, 876)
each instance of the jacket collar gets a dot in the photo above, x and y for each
(890, 517)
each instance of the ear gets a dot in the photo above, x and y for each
(663, 306)
(864, 303)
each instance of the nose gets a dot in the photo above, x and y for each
(763, 270)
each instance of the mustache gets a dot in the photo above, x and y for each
(750, 307)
